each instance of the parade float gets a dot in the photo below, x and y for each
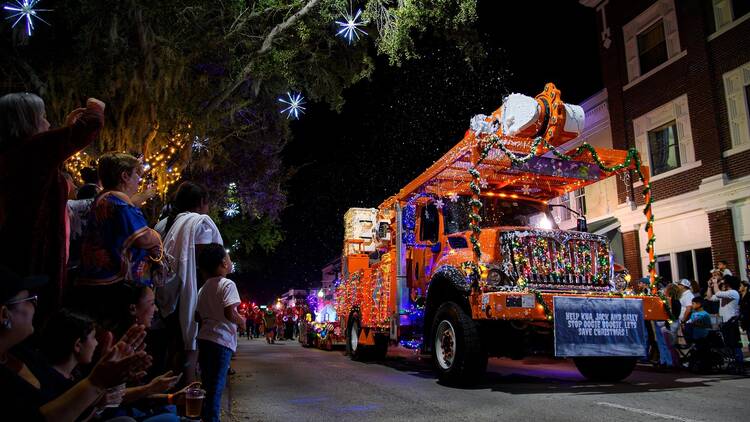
(466, 262)
(318, 325)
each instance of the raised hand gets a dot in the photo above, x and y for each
(95, 103)
(71, 118)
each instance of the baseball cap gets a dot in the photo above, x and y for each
(685, 282)
(11, 283)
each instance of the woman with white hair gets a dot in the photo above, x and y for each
(33, 191)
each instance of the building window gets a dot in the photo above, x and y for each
(664, 149)
(651, 39)
(564, 212)
(664, 267)
(685, 265)
(728, 11)
(664, 138)
(652, 47)
(580, 196)
(737, 93)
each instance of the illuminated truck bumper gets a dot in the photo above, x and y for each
(525, 306)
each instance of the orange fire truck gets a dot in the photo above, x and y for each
(466, 262)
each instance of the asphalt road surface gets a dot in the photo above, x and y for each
(286, 382)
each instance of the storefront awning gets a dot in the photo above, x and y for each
(604, 225)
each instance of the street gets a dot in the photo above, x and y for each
(285, 381)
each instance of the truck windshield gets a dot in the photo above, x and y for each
(497, 212)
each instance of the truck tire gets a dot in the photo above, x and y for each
(608, 369)
(380, 350)
(355, 350)
(457, 351)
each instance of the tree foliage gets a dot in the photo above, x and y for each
(218, 66)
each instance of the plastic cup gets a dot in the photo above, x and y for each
(194, 402)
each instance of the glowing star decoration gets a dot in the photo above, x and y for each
(483, 183)
(526, 190)
(199, 145)
(232, 210)
(24, 9)
(294, 103)
(439, 203)
(350, 26)
(453, 197)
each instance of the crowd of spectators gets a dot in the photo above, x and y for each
(721, 306)
(98, 310)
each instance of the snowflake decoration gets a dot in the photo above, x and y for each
(232, 210)
(350, 26)
(483, 183)
(199, 145)
(294, 103)
(236, 244)
(439, 203)
(24, 9)
(558, 172)
(453, 197)
(526, 189)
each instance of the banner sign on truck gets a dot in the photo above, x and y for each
(599, 327)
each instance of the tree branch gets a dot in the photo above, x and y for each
(265, 47)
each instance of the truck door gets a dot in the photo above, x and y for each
(424, 254)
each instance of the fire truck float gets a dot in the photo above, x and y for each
(465, 262)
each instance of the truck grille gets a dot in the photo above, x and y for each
(556, 259)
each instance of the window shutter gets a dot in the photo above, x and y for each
(641, 142)
(684, 133)
(631, 53)
(736, 107)
(671, 35)
(722, 13)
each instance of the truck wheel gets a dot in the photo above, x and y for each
(609, 369)
(457, 349)
(380, 350)
(356, 351)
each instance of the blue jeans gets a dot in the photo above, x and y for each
(214, 362)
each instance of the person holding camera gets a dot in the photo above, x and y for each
(726, 293)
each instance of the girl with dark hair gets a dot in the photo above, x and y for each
(186, 231)
(217, 305)
(33, 191)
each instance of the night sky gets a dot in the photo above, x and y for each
(403, 119)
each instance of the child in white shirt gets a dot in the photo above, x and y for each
(218, 317)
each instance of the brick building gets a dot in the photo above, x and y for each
(677, 87)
